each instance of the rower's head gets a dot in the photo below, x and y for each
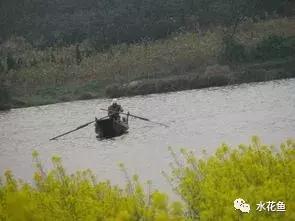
(114, 101)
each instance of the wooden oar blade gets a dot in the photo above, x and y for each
(54, 138)
(141, 118)
(78, 128)
(165, 125)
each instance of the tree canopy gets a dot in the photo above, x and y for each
(106, 22)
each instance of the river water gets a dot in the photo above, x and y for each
(197, 119)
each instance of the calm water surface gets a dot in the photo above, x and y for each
(197, 119)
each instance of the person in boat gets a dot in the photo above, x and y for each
(114, 110)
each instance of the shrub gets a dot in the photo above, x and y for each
(255, 173)
(57, 195)
(11, 63)
(274, 46)
(207, 186)
(233, 51)
(5, 96)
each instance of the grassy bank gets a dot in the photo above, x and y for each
(79, 72)
(5, 98)
(212, 76)
(207, 188)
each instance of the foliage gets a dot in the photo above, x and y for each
(5, 96)
(107, 22)
(251, 32)
(57, 195)
(78, 55)
(11, 63)
(233, 50)
(255, 173)
(274, 46)
(207, 187)
(58, 74)
(269, 47)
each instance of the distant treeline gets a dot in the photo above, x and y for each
(107, 22)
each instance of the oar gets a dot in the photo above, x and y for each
(141, 118)
(78, 128)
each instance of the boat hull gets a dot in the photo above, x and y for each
(108, 128)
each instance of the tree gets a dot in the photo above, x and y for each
(11, 63)
(64, 22)
(5, 97)
(78, 55)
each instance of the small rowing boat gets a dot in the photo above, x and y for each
(110, 127)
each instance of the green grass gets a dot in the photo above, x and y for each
(251, 33)
(56, 94)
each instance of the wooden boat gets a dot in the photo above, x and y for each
(109, 127)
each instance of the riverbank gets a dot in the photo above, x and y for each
(212, 76)
(203, 185)
(182, 61)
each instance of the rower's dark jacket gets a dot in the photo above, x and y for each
(114, 110)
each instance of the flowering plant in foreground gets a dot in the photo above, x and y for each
(257, 173)
(208, 187)
(57, 195)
